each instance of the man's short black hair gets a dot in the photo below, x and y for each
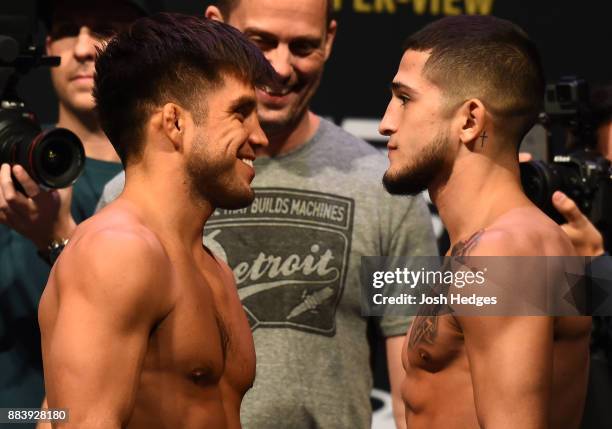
(168, 58)
(486, 58)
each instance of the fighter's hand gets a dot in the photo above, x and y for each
(39, 215)
(584, 236)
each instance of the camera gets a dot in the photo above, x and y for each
(582, 173)
(54, 158)
(584, 176)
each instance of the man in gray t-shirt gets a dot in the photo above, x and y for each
(295, 252)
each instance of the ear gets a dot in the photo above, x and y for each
(174, 121)
(213, 12)
(472, 120)
(48, 46)
(331, 36)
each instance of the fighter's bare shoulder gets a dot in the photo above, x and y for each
(226, 272)
(114, 262)
(520, 232)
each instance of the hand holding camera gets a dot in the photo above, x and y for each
(35, 163)
(584, 236)
(582, 173)
(39, 215)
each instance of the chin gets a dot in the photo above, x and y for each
(405, 183)
(236, 200)
(274, 122)
(274, 118)
(82, 104)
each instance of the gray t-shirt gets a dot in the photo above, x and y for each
(295, 253)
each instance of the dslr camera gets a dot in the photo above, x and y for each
(581, 173)
(54, 158)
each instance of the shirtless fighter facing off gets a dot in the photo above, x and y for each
(141, 326)
(467, 90)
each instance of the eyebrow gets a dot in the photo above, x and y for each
(253, 31)
(400, 87)
(245, 105)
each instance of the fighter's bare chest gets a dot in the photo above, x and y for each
(206, 334)
(433, 343)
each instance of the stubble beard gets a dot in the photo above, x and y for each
(427, 167)
(215, 183)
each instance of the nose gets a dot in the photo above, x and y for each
(258, 137)
(387, 125)
(85, 45)
(282, 61)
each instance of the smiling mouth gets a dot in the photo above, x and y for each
(248, 162)
(277, 92)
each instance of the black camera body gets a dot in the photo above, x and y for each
(583, 174)
(53, 158)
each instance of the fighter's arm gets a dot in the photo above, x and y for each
(396, 375)
(511, 366)
(511, 358)
(43, 424)
(109, 290)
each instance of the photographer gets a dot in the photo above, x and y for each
(587, 240)
(35, 221)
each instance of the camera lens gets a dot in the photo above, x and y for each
(539, 181)
(54, 158)
(57, 157)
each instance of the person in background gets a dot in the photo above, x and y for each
(32, 222)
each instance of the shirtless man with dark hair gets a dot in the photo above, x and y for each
(467, 90)
(141, 325)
